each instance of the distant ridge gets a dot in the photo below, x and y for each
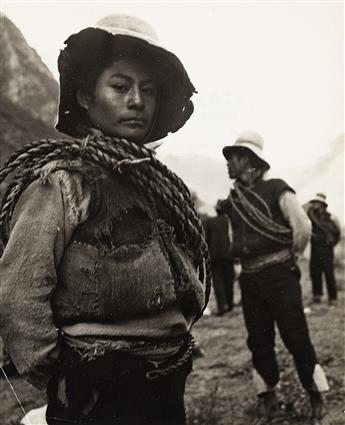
(208, 178)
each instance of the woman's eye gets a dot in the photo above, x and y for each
(120, 88)
(151, 91)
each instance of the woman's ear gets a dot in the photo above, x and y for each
(83, 99)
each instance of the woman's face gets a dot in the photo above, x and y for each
(123, 103)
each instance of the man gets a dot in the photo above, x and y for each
(325, 235)
(218, 239)
(270, 230)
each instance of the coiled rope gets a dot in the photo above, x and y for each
(256, 219)
(152, 177)
(156, 373)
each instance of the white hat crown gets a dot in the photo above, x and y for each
(250, 139)
(128, 25)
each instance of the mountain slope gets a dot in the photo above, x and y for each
(209, 179)
(28, 92)
(326, 175)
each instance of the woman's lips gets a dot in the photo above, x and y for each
(134, 123)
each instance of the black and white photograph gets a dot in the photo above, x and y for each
(172, 228)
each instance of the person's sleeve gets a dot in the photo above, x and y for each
(230, 232)
(299, 222)
(278, 187)
(224, 207)
(44, 219)
(337, 229)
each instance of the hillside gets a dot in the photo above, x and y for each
(28, 92)
(326, 175)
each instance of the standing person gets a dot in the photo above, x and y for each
(270, 230)
(218, 236)
(325, 235)
(105, 266)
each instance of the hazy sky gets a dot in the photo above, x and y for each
(274, 67)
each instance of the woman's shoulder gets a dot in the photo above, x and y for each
(55, 182)
(70, 167)
(74, 172)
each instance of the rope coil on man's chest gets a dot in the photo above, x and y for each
(256, 219)
(142, 168)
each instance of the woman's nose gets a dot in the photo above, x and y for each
(136, 99)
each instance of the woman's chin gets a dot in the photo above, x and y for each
(137, 137)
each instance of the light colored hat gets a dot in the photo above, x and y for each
(320, 197)
(129, 26)
(120, 34)
(248, 140)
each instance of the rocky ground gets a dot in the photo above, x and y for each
(219, 390)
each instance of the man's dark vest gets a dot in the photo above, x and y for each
(249, 243)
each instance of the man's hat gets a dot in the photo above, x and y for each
(122, 32)
(320, 197)
(248, 140)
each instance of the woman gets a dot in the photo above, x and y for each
(105, 269)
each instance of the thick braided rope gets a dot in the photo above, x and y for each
(264, 231)
(115, 154)
(102, 157)
(163, 173)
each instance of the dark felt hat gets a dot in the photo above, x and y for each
(125, 32)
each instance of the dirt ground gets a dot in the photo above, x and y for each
(219, 390)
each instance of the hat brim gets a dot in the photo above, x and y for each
(176, 89)
(229, 150)
(319, 200)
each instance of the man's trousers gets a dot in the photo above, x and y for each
(223, 283)
(273, 296)
(321, 262)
